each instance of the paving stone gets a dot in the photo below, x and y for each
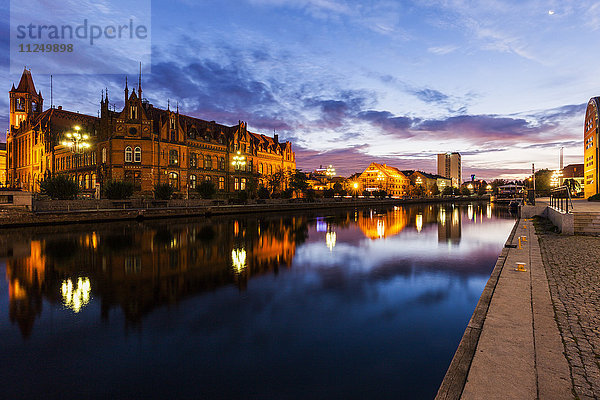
(573, 269)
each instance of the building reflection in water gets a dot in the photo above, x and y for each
(136, 267)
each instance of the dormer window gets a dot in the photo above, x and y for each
(172, 122)
(133, 112)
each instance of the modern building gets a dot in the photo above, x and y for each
(449, 166)
(141, 144)
(383, 177)
(590, 147)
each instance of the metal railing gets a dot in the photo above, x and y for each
(560, 198)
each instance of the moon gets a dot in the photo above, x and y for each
(550, 12)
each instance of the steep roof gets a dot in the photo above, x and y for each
(26, 83)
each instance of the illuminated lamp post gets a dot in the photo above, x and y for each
(77, 143)
(355, 187)
(238, 162)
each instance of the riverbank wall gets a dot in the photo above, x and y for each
(512, 346)
(59, 212)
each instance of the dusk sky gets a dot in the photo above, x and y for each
(505, 83)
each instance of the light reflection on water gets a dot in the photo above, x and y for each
(335, 304)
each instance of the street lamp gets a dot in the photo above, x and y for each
(355, 187)
(238, 162)
(77, 143)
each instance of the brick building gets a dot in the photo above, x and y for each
(141, 144)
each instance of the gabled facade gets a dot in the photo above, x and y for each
(383, 177)
(140, 144)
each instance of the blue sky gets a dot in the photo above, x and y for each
(349, 82)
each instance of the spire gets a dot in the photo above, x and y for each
(140, 82)
(168, 104)
(26, 83)
(178, 107)
(126, 90)
(107, 95)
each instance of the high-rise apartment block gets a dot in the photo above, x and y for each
(449, 166)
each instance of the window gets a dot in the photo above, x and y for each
(193, 160)
(93, 157)
(133, 112)
(103, 155)
(172, 122)
(260, 168)
(207, 162)
(221, 183)
(243, 184)
(236, 184)
(250, 165)
(135, 178)
(270, 170)
(192, 181)
(222, 163)
(207, 178)
(174, 180)
(173, 157)
(128, 154)
(138, 155)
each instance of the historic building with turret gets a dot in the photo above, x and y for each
(141, 144)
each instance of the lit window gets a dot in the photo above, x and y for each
(174, 180)
(104, 155)
(173, 157)
(236, 184)
(221, 183)
(138, 154)
(243, 184)
(128, 154)
(193, 181)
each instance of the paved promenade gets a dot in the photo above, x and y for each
(573, 270)
(512, 347)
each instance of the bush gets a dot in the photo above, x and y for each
(207, 189)
(242, 196)
(59, 187)
(366, 193)
(163, 191)
(310, 194)
(465, 191)
(118, 190)
(328, 193)
(287, 193)
(263, 193)
(595, 197)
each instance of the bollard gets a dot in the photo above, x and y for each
(524, 238)
(521, 267)
(520, 248)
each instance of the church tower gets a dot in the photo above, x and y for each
(24, 101)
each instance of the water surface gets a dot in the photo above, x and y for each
(366, 303)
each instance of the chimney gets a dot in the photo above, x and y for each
(276, 138)
(60, 107)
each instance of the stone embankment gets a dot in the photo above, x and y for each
(51, 212)
(512, 347)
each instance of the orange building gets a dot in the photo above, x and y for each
(141, 144)
(590, 147)
(383, 177)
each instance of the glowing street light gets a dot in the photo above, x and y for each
(76, 141)
(239, 160)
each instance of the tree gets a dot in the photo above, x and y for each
(482, 188)
(338, 188)
(59, 187)
(163, 191)
(298, 182)
(448, 191)
(263, 193)
(206, 189)
(465, 191)
(542, 181)
(366, 193)
(118, 190)
(274, 181)
(435, 190)
(328, 193)
(418, 191)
